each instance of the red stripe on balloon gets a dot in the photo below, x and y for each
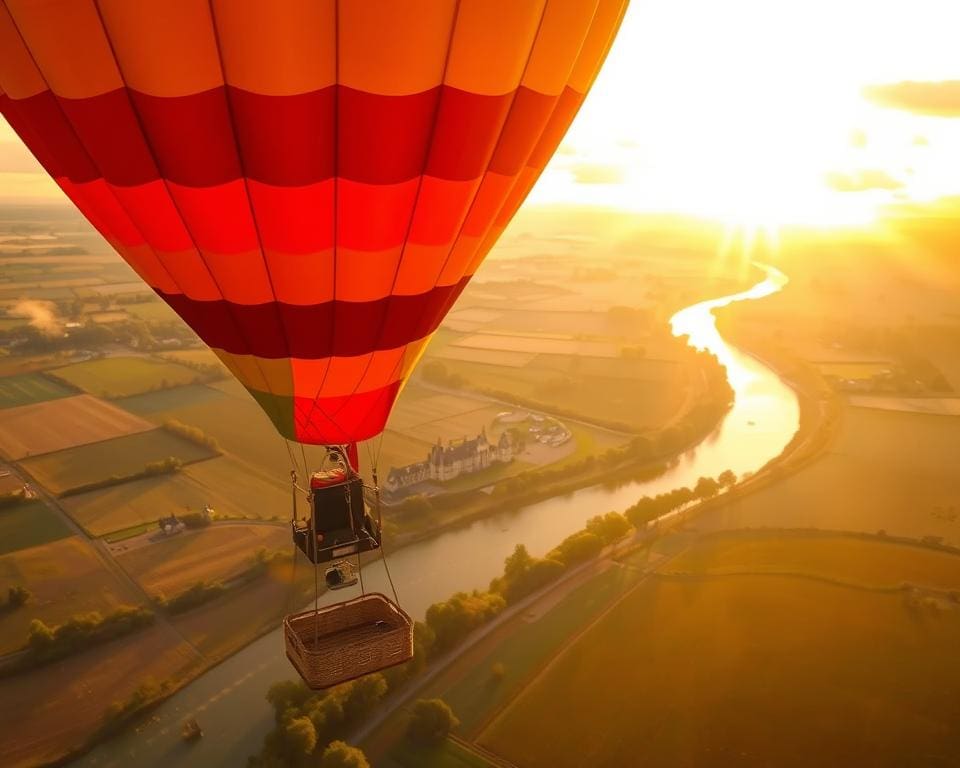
(330, 420)
(363, 326)
(283, 141)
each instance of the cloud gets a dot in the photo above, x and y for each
(939, 98)
(862, 181)
(591, 173)
(16, 158)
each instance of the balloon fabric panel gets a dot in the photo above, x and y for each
(310, 185)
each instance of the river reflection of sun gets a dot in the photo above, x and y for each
(698, 324)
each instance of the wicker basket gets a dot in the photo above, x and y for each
(348, 640)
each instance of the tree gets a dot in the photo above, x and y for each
(364, 695)
(431, 722)
(17, 596)
(727, 478)
(577, 548)
(706, 488)
(300, 737)
(518, 563)
(341, 755)
(453, 619)
(608, 527)
(40, 637)
(285, 694)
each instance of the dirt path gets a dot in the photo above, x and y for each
(102, 552)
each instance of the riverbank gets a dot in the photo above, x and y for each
(818, 422)
(228, 699)
(457, 510)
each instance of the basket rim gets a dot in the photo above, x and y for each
(323, 687)
(376, 596)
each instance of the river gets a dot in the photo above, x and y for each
(229, 699)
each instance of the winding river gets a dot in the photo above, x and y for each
(229, 699)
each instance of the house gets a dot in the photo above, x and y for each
(170, 525)
(444, 463)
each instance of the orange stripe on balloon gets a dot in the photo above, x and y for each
(393, 48)
(19, 76)
(563, 30)
(278, 48)
(68, 44)
(163, 47)
(491, 44)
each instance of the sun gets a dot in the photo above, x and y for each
(753, 113)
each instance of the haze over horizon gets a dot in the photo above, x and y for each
(752, 113)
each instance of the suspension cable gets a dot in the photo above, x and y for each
(293, 522)
(383, 551)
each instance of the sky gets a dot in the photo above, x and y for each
(751, 112)
(754, 110)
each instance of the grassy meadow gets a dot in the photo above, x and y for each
(84, 465)
(224, 411)
(29, 523)
(115, 377)
(641, 394)
(30, 388)
(232, 488)
(833, 669)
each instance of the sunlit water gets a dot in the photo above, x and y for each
(229, 700)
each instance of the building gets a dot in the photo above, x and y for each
(446, 463)
(170, 525)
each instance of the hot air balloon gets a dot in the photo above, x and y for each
(309, 184)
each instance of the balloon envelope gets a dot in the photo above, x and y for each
(310, 184)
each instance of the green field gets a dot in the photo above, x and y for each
(232, 488)
(120, 457)
(228, 413)
(115, 377)
(760, 670)
(168, 400)
(29, 524)
(885, 470)
(640, 393)
(29, 388)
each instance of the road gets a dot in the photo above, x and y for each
(99, 548)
